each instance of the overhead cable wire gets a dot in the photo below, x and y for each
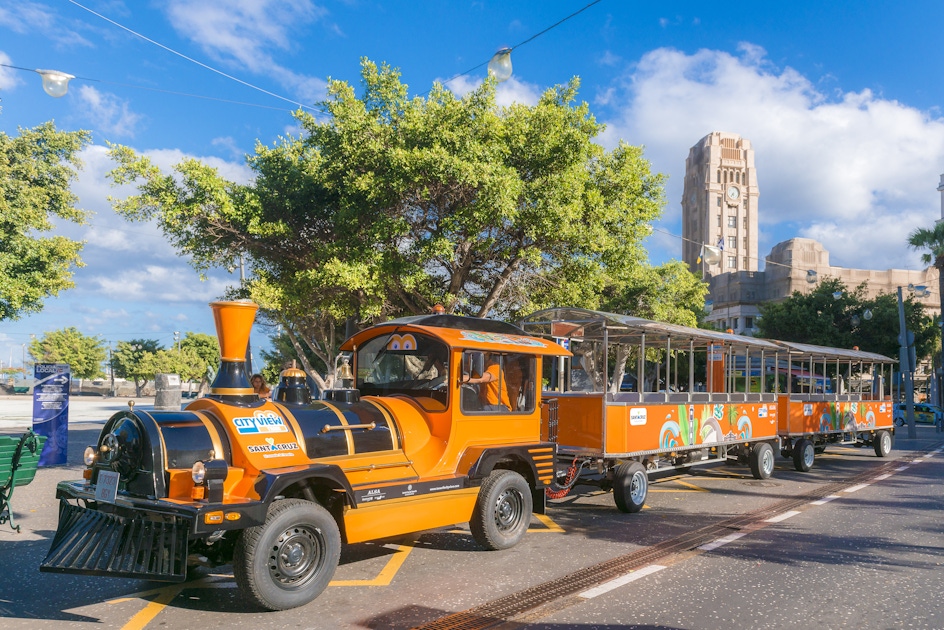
(518, 45)
(162, 91)
(190, 59)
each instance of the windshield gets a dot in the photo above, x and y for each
(412, 364)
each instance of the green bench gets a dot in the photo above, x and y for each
(19, 458)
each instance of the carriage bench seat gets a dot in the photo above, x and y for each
(19, 458)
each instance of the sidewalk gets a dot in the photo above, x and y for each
(16, 412)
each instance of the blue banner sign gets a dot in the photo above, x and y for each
(51, 410)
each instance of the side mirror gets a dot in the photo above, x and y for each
(473, 364)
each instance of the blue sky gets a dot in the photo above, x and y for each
(840, 100)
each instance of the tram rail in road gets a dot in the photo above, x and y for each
(540, 600)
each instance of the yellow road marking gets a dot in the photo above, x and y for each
(549, 524)
(164, 597)
(386, 574)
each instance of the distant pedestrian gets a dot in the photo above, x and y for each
(260, 386)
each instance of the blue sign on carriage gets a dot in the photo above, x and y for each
(51, 410)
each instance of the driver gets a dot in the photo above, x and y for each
(436, 360)
(494, 394)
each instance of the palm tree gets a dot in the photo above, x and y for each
(933, 242)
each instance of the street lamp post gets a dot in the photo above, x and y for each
(905, 366)
(111, 370)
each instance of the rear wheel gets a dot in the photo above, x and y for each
(502, 511)
(761, 460)
(803, 455)
(288, 560)
(630, 487)
(882, 443)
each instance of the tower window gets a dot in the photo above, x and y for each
(732, 221)
(732, 262)
(732, 242)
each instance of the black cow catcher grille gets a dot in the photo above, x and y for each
(95, 543)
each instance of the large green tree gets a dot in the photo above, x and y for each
(391, 204)
(128, 361)
(83, 353)
(36, 169)
(846, 321)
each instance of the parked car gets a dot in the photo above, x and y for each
(924, 413)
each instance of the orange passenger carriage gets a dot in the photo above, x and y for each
(832, 396)
(639, 397)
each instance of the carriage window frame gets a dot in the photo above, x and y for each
(508, 365)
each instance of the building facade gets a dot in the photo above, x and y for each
(736, 297)
(720, 211)
(719, 205)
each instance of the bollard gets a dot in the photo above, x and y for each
(167, 392)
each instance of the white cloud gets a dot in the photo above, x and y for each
(854, 170)
(508, 92)
(243, 33)
(27, 18)
(8, 78)
(109, 113)
(156, 283)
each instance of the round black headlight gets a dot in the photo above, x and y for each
(123, 448)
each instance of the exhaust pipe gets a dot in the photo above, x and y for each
(233, 323)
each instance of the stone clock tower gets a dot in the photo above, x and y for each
(719, 204)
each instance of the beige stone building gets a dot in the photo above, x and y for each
(713, 216)
(719, 203)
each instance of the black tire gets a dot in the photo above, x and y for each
(287, 561)
(882, 443)
(761, 460)
(803, 455)
(502, 512)
(630, 487)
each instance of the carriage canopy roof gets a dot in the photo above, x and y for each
(591, 325)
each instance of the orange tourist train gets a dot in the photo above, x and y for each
(441, 420)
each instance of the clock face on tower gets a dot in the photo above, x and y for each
(734, 193)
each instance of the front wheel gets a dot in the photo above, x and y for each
(288, 560)
(502, 511)
(761, 460)
(882, 443)
(630, 487)
(803, 454)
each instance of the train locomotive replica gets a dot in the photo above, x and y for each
(447, 420)
(274, 487)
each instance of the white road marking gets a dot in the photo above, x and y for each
(721, 541)
(782, 517)
(606, 587)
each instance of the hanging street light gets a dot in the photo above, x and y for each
(500, 65)
(712, 255)
(55, 83)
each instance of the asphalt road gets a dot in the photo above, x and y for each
(856, 542)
